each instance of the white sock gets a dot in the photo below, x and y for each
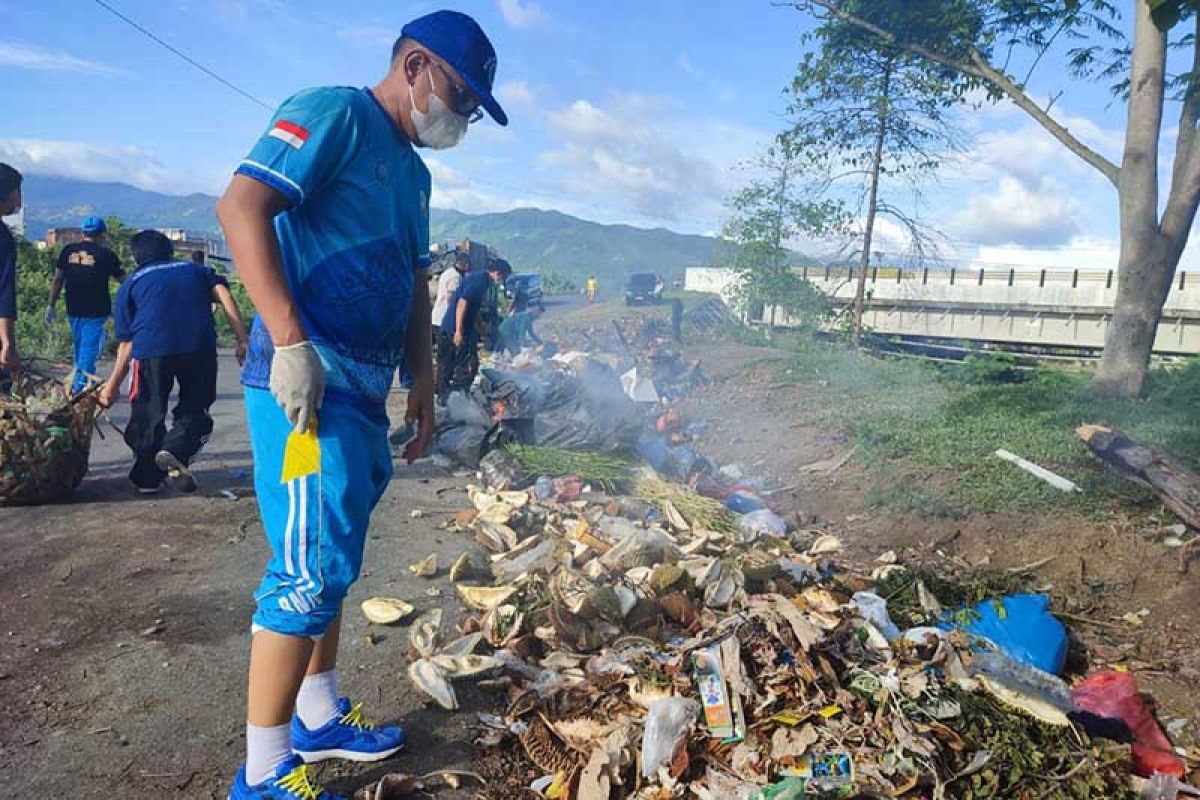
(266, 749)
(317, 702)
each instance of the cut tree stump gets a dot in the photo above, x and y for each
(1171, 480)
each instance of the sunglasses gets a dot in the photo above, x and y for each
(465, 102)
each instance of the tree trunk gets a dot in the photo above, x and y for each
(1146, 264)
(860, 289)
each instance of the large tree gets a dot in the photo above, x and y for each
(880, 116)
(978, 39)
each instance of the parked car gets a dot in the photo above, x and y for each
(643, 287)
(525, 287)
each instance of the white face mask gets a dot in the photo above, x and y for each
(439, 128)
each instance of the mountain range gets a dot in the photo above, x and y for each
(533, 240)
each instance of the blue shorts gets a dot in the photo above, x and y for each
(316, 525)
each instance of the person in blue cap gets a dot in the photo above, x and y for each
(84, 269)
(327, 221)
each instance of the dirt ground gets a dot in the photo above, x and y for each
(1097, 570)
(126, 620)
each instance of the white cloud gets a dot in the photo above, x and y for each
(1018, 213)
(643, 154)
(65, 159)
(684, 63)
(518, 94)
(368, 35)
(27, 56)
(521, 13)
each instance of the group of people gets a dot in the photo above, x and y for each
(327, 220)
(469, 310)
(164, 327)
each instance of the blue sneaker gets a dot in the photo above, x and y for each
(292, 781)
(348, 735)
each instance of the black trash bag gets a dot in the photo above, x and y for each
(460, 442)
(601, 417)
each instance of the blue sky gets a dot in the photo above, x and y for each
(621, 111)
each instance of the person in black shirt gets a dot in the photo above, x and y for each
(85, 269)
(10, 203)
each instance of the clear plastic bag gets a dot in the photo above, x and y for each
(668, 722)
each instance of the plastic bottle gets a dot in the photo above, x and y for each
(544, 488)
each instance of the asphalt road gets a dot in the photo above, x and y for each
(126, 622)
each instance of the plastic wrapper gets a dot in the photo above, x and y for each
(668, 722)
(763, 522)
(501, 470)
(1022, 626)
(1114, 695)
(873, 609)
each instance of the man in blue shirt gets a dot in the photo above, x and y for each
(458, 333)
(327, 220)
(10, 203)
(164, 323)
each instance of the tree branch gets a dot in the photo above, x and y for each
(978, 67)
(1184, 197)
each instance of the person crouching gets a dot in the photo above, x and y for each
(164, 323)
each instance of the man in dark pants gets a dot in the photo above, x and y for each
(165, 325)
(85, 268)
(10, 203)
(458, 335)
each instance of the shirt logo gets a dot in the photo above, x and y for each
(82, 258)
(289, 132)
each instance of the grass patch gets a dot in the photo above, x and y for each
(948, 423)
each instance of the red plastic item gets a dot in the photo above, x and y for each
(1114, 695)
(566, 488)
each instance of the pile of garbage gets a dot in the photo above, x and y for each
(658, 631)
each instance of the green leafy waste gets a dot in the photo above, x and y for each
(1030, 760)
(608, 471)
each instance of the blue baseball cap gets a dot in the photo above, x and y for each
(460, 42)
(93, 224)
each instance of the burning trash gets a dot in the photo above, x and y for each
(659, 631)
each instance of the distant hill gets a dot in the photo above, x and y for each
(531, 239)
(63, 202)
(539, 241)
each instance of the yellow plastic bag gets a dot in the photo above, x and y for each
(301, 454)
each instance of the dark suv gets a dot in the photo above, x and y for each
(643, 287)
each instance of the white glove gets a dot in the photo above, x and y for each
(298, 382)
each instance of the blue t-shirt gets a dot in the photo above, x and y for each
(355, 234)
(165, 309)
(473, 289)
(8, 274)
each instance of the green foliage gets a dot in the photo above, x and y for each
(35, 271)
(928, 436)
(769, 212)
(876, 117)
(554, 283)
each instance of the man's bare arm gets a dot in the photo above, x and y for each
(247, 211)
(232, 313)
(56, 287)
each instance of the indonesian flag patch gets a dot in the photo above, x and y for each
(289, 132)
